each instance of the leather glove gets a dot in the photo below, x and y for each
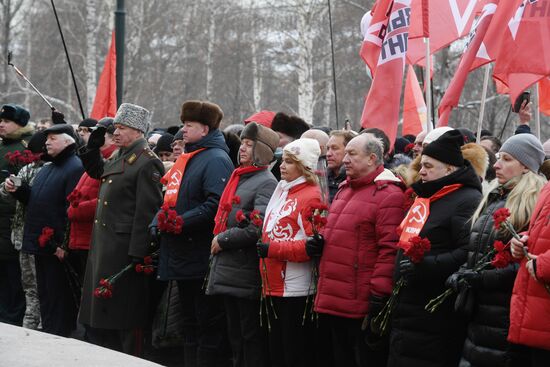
(58, 117)
(406, 268)
(372, 332)
(464, 278)
(154, 235)
(262, 248)
(97, 138)
(314, 245)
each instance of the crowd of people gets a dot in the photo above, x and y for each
(275, 243)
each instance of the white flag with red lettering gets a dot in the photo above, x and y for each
(381, 108)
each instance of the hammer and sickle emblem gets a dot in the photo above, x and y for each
(419, 213)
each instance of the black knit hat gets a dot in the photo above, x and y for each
(15, 113)
(164, 144)
(88, 123)
(37, 142)
(446, 148)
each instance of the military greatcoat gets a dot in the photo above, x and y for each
(129, 196)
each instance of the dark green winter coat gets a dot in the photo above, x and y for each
(129, 196)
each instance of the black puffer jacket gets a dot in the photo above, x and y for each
(235, 270)
(486, 344)
(420, 338)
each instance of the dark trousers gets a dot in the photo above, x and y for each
(12, 298)
(125, 341)
(248, 339)
(57, 303)
(349, 345)
(204, 326)
(540, 357)
(290, 342)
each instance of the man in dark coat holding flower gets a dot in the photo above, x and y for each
(129, 196)
(46, 203)
(194, 186)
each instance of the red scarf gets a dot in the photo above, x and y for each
(226, 201)
(419, 212)
(172, 179)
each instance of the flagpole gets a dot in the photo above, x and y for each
(483, 99)
(537, 109)
(428, 85)
(333, 66)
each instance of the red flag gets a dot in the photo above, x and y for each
(448, 21)
(523, 59)
(420, 20)
(544, 96)
(381, 108)
(498, 32)
(373, 27)
(414, 107)
(454, 90)
(105, 103)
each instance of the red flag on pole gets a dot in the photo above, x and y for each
(373, 27)
(381, 108)
(414, 107)
(544, 96)
(523, 58)
(454, 90)
(448, 21)
(105, 103)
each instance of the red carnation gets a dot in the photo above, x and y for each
(416, 248)
(236, 199)
(408, 147)
(500, 216)
(45, 236)
(239, 216)
(148, 270)
(147, 260)
(499, 246)
(139, 268)
(502, 259)
(97, 293)
(256, 218)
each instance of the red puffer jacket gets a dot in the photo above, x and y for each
(360, 244)
(82, 216)
(530, 304)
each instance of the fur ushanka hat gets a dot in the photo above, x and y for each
(209, 114)
(266, 141)
(292, 126)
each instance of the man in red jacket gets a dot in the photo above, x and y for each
(360, 244)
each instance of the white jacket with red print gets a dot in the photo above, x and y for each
(286, 228)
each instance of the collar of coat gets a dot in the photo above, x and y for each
(381, 177)
(18, 135)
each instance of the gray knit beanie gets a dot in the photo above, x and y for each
(133, 116)
(527, 149)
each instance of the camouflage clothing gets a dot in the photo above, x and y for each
(28, 280)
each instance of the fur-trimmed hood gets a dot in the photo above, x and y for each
(20, 133)
(472, 152)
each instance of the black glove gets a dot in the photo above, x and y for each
(314, 245)
(406, 268)
(154, 235)
(464, 278)
(372, 333)
(262, 248)
(97, 138)
(58, 117)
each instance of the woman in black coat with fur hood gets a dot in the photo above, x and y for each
(449, 182)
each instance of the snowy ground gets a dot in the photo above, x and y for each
(29, 348)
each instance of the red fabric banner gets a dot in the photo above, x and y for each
(105, 103)
(414, 107)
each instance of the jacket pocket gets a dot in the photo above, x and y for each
(123, 227)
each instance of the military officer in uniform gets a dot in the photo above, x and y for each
(129, 196)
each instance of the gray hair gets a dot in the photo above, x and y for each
(68, 138)
(374, 145)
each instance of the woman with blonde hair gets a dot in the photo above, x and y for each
(286, 265)
(485, 295)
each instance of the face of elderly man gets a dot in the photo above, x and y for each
(124, 136)
(358, 161)
(56, 143)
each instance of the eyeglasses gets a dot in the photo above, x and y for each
(83, 129)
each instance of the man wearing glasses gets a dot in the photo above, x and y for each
(85, 129)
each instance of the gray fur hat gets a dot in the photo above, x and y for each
(133, 116)
(266, 141)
